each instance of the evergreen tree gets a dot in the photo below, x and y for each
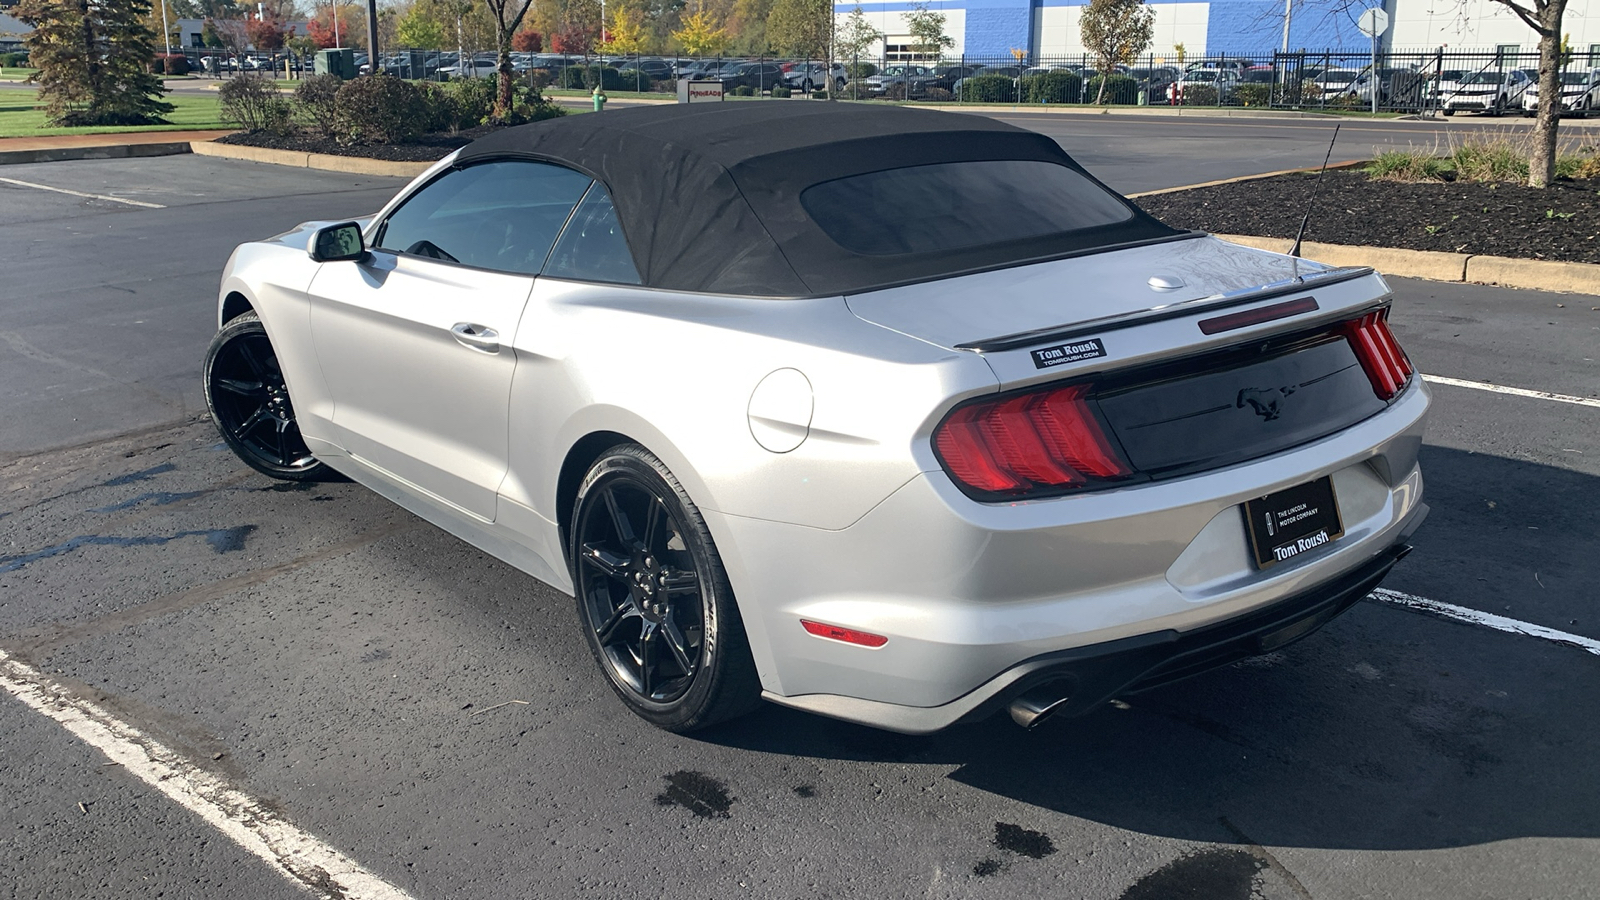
(94, 61)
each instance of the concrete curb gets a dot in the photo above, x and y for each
(1346, 164)
(351, 165)
(1529, 274)
(107, 151)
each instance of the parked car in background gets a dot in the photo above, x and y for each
(1491, 93)
(1155, 82)
(1580, 93)
(814, 76)
(913, 79)
(945, 77)
(653, 69)
(472, 68)
(758, 76)
(1222, 80)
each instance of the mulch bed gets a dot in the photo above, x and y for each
(1561, 222)
(428, 148)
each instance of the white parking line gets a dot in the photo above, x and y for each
(294, 854)
(1490, 620)
(1515, 392)
(46, 187)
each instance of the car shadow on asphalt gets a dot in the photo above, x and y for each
(1387, 730)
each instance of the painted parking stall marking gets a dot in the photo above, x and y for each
(1514, 392)
(297, 855)
(1488, 620)
(46, 187)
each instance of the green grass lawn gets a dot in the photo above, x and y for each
(15, 74)
(20, 118)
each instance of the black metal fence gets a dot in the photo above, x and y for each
(1406, 81)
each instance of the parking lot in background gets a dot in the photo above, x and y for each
(434, 716)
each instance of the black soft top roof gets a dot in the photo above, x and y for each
(708, 195)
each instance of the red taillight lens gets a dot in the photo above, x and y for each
(1385, 363)
(1024, 443)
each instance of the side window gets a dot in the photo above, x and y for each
(593, 248)
(500, 215)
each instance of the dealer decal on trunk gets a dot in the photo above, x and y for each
(1061, 354)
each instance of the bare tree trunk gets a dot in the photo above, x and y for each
(503, 77)
(1542, 162)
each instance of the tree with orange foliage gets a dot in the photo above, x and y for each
(527, 41)
(268, 33)
(352, 28)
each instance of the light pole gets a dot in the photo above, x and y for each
(166, 30)
(1288, 12)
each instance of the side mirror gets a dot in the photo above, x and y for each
(333, 243)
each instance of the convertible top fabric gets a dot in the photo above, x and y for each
(708, 195)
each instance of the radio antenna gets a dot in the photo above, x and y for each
(1316, 190)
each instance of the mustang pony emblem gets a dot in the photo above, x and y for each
(1267, 402)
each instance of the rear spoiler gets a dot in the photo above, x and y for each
(1167, 311)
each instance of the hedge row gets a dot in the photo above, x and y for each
(371, 109)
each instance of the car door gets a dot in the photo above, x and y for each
(415, 343)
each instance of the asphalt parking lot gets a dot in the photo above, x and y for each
(434, 719)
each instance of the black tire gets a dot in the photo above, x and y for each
(655, 604)
(249, 403)
(1449, 112)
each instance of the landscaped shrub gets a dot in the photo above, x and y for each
(855, 90)
(379, 109)
(744, 90)
(823, 95)
(13, 60)
(858, 71)
(989, 89)
(779, 90)
(939, 95)
(252, 102)
(896, 91)
(1199, 95)
(1059, 86)
(1119, 89)
(176, 64)
(607, 78)
(1253, 94)
(315, 98)
(663, 86)
(571, 78)
(1410, 165)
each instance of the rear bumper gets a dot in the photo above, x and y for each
(1090, 676)
(976, 597)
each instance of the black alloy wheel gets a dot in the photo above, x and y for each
(249, 403)
(656, 606)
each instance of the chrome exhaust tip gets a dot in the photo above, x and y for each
(1036, 703)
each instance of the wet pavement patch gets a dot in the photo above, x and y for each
(141, 475)
(1208, 875)
(805, 790)
(156, 498)
(222, 540)
(697, 792)
(1021, 841)
(986, 868)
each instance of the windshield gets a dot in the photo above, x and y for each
(1574, 78)
(958, 206)
(1453, 75)
(1484, 78)
(1204, 75)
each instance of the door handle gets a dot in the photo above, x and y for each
(478, 337)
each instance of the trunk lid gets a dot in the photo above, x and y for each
(952, 312)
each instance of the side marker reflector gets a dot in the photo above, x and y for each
(847, 635)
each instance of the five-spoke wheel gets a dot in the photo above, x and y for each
(656, 605)
(250, 404)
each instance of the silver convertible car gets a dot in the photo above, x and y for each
(891, 415)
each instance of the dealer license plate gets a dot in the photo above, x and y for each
(1291, 522)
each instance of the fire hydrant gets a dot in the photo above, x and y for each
(599, 99)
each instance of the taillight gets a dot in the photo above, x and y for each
(1025, 443)
(1380, 355)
